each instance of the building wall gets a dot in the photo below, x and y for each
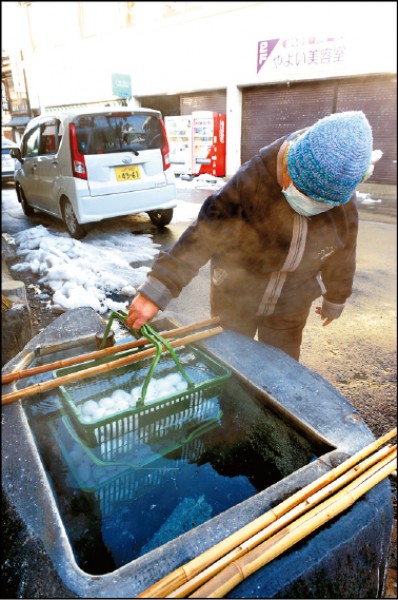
(196, 52)
(206, 47)
(271, 111)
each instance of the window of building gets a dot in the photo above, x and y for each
(4, 97)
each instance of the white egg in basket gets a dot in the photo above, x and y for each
(89, 407)
(75, 456)
(164, 386)
(101, 411)
(84, 471)
(120, 395)
(106, 403)
(174, 379)
(122, 405)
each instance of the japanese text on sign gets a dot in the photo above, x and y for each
(300, 52)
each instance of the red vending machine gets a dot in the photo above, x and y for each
(179, 134)
(208, 142)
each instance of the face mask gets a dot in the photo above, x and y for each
(302, 204)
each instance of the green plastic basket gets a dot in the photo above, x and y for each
(113, 483)
(146, 419)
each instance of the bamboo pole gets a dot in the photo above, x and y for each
(186, 572)
(74, 360)
(241, 569)
(105, 367)
(302, 508)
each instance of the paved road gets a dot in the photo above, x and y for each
(376, 240)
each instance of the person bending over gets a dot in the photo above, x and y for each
(279, 234)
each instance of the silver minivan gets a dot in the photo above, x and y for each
(89, 165)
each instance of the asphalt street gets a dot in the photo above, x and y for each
(194, 299)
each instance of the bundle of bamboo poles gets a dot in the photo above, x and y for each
(107, 366)
(219, 569)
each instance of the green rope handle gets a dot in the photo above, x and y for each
(157, 340)
(121, 315)
(158, 346)
(147, 329)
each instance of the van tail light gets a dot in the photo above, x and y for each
(165, 148)
(78, 162)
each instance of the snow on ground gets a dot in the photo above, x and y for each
(93, 271)
(201, 182)
(85, 272)
(97, 271)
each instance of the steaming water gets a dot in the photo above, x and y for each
(117, 506)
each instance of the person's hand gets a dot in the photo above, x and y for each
(141, 311)
(326, 320)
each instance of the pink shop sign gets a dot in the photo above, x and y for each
(302, 53)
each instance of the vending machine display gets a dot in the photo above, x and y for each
(179, 134)
(208, 130)
(197, 143)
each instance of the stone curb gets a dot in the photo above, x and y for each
(16, 328)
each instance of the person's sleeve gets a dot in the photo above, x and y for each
(174, 268)
(339, 268)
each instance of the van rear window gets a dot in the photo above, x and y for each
(102, 134)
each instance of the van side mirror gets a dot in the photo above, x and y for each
(16, 153)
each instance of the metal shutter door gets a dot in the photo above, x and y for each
(167, 105)
(376, 97)
(270, 112)
(215, 101)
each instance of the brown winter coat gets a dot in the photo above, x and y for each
(265, 258)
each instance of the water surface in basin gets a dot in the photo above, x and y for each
(152, 487)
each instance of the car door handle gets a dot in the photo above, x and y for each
(33, 168)
(54, 162)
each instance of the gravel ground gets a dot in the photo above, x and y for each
(357, 353)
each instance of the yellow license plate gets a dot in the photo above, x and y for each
(127, 173)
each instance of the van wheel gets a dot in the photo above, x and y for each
(27, 209)
(75, 230)
(160, 218)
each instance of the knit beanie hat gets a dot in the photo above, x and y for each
(331, 158)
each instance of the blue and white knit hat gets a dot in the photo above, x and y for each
(331, 158)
